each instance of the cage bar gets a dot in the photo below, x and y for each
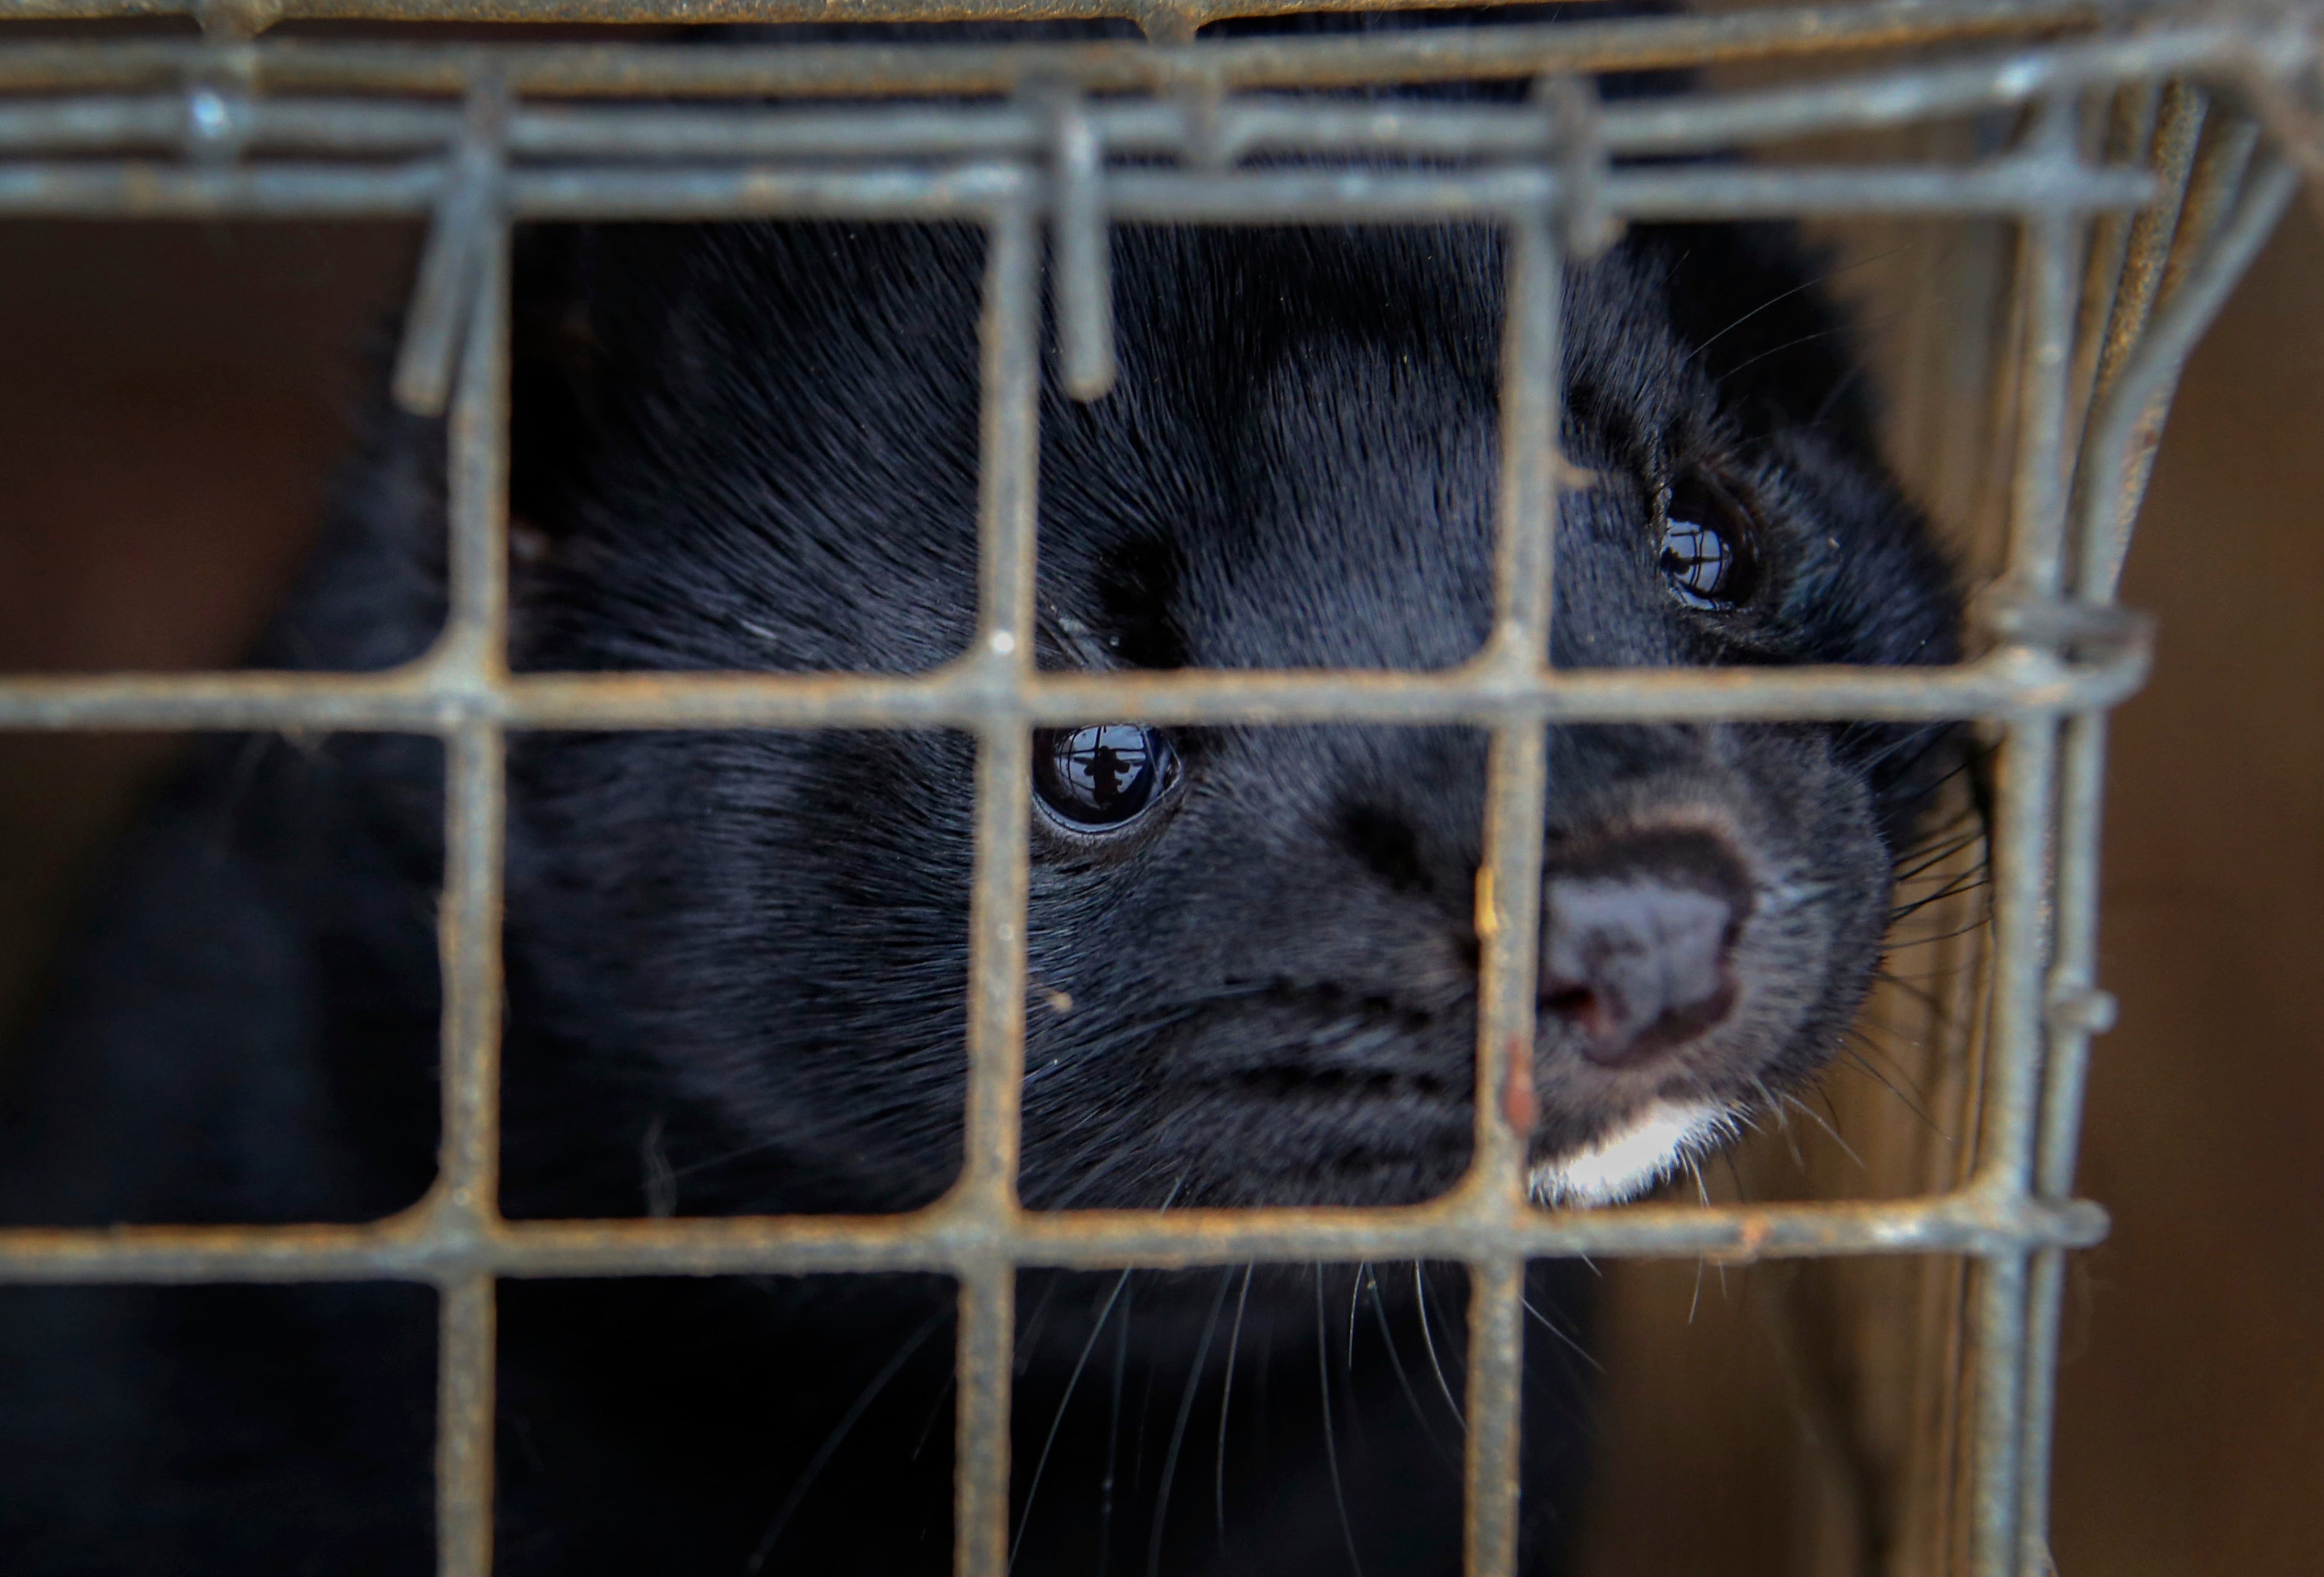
(465, 1202)
(2025, 681)
(1487, 52)
(326, 119)
(405, 1247)
(2075, 1011)
(2111, 488)
(1084, 249)
(1495, 1413)
(323, 129)
(468, 203)
(2179, 129)
(2051, 260)
(2118, 448)
(1508, 884)
(986, 1195)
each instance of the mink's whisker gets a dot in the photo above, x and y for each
(1331, 1439)
(839, 1432)
(1113, 1440)
(1178, 1429)
(1040, 1465)
(1226, 1398)
(1404, 1379)
(1428, 1338)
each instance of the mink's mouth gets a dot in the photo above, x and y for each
(1320, 1044)
(1285, 1093)
(1633, 1154)
(1293, 1095)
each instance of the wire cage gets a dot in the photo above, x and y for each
(2125, 162)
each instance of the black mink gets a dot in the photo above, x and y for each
(737, 961)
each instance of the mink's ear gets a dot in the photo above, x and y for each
(557, 383)
(1781, 352)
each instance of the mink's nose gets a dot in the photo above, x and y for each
(1635, 952)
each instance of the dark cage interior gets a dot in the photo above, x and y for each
(1029, 763)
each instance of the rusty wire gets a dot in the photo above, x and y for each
(475, 137)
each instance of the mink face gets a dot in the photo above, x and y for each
(1252, 954)
(737, 961)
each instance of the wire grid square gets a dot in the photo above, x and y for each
(1544, 174)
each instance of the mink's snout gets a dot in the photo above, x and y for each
(1636, 952)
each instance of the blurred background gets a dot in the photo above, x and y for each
(174, 400)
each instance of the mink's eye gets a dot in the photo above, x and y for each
(1103, 776)
(1706, 555)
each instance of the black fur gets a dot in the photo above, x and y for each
(737, 961)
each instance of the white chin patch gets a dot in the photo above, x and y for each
(1631, 1159)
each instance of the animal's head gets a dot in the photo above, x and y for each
(1254, 966)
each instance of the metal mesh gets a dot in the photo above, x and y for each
(478, 135)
